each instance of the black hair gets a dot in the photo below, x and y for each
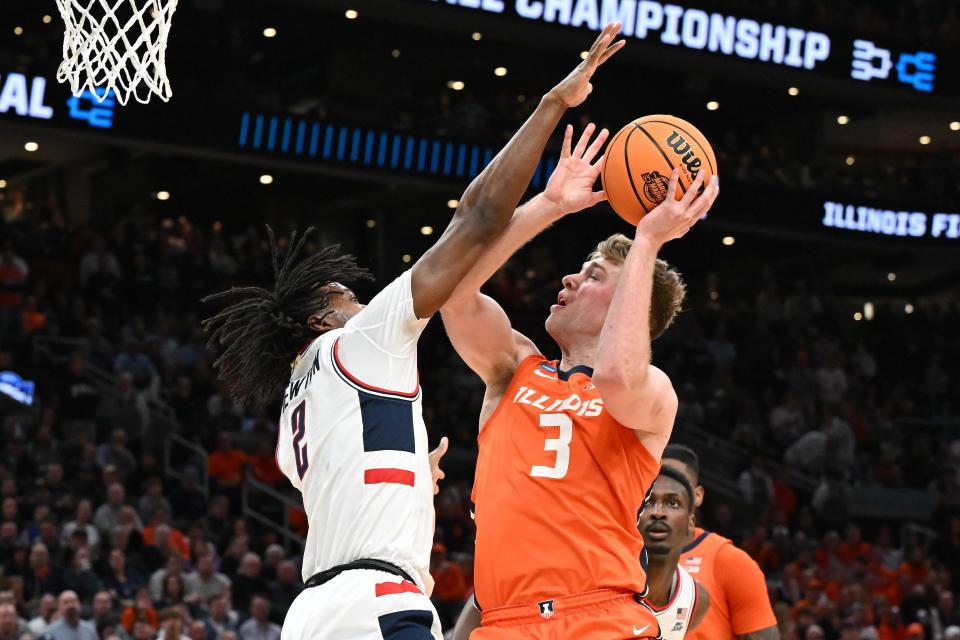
(685, 455)
(261, 331)
(673, 474)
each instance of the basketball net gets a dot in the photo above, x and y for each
(118, 46)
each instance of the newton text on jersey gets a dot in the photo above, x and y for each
(295, 386)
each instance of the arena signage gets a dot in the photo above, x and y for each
(20, 390)
(745, 38)
(887, 222)
(27, 98)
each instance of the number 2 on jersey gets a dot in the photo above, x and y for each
(560, 444)
(298, 424)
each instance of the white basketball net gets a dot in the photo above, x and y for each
(116, 45)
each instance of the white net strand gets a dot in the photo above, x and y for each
(116, 45)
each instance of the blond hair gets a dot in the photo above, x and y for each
(669, 289)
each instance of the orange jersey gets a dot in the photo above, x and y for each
(739, 603)
(558, 486)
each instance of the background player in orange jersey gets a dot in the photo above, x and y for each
(739, 605)
(568, 448)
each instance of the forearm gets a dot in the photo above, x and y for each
(469, 621)
(624, 350)
(528, 221)
(495, 192)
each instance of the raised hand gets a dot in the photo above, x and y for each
(672, 218)
(570, 187)
(435, 469)
(575, 88)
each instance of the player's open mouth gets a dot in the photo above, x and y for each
(658, 531)
(561, 301)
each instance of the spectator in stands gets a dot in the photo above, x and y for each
(46, 608)
(187, 501)
(69, 626)
(221, 618)
(121, 581)
(153, 499)
(173, 593)
(450, 586)
(10, 626)
(104, 614)
(225, 465)
(107, 517)
(140, 611)
(248, 582)
(284, 590)
(13, 279)
(258, 626)
(115, 453)
(206, 583)
(172, 567)
(263, 464)
(82, 521)
(164, 537)
(171, 626)
(42, 577)
(80, 577)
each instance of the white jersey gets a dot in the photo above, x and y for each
(352, 440)
(675, 618)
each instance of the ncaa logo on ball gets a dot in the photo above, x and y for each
(655, 186)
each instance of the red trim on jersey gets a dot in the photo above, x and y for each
(696, 601)
(673, 599)
(393, 588)
(359, 383)
(391, 476)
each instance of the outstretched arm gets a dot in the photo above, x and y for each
(478, 328)
(489, 202)
(635, 392)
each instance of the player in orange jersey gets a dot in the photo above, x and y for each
(739, 604)
(569, 448)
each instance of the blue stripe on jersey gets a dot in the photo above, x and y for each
(407, 625)
(387, 423)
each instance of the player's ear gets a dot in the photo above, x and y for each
(698, 495)
(691, 524)
(322, 322)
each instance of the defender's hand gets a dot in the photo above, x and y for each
(575, 88)
(570, 187)
(673, 218)
(435, 469)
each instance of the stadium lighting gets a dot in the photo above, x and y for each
(395, 53)
(841, 120)
(500, 72)
(453, 203)
(351, 14)
(908, 308)
(406, 257)
(269, 32)
(584, 54)
(850, 160)
(47, 19)
(728, 241)
(713, 105)
(426, 230)
(18, 30)
(31, 146)
(477, 36)
(3, 184)
(371, 223)
(266, 179)
(924, 139)
(891, 277)
(793, 91)
(456, 85)
(868, 311)
(858, 316)
(955, 126)
(163, 195)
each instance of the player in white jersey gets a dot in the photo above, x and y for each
(678, 601)
(351, 433)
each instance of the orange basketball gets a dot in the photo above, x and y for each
(639, 160)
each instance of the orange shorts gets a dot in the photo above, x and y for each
(596, 615)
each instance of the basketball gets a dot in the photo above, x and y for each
(642, 154)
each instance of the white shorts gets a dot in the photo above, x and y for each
(362, 604)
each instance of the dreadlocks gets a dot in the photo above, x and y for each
(260, 332)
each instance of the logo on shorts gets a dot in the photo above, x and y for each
(546, 608)
(655, 186)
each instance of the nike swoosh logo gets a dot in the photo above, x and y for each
(542, 375)
(637, 632)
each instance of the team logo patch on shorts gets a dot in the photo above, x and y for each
(546, 608)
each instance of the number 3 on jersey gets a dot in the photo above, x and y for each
(298, 424)
(560, 444)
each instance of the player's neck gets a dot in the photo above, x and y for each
(661, 572)
(577, 355)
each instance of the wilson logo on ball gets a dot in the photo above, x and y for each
(682, 148)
